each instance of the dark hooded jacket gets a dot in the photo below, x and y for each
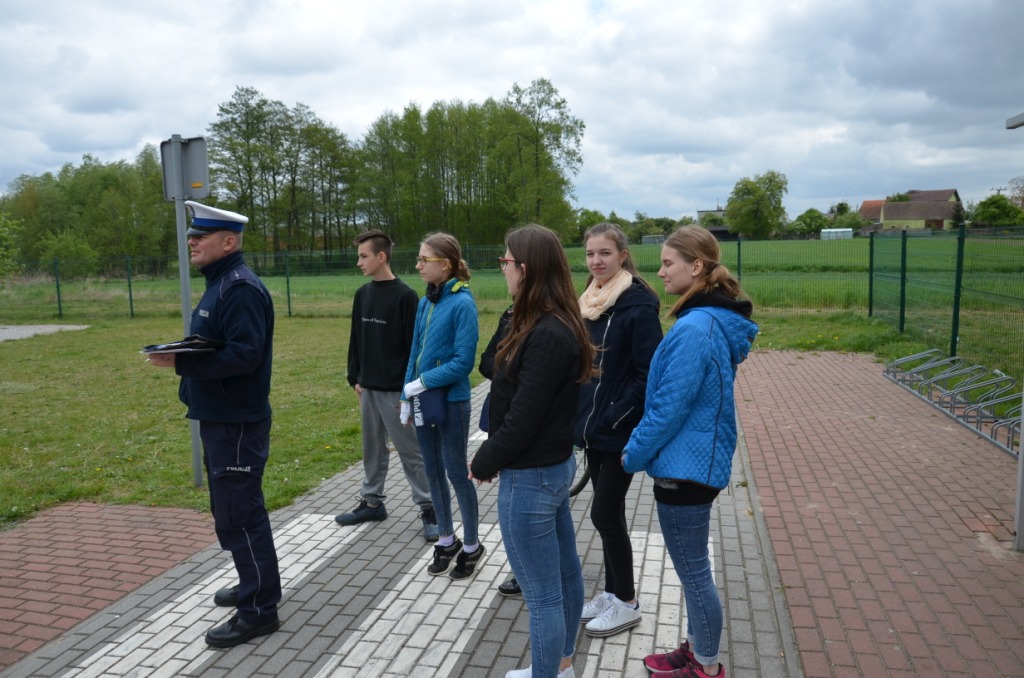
(626, 336)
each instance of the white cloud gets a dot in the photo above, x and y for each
(851, 99)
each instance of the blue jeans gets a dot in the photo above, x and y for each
(686, 530)
(538, 531)
(444, 451)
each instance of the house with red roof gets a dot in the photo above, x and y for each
(871, 211)
(934, 210)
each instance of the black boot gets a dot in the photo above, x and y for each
(236, 631)
(227, 597)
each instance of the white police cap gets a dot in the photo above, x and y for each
(206, 219)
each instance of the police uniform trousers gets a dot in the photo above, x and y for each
(235, 456)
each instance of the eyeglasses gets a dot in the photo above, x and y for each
(503, 262)
(425, 260)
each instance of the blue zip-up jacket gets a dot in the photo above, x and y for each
(444, 341)
(688, 431)
(626, 336)
(231, 385)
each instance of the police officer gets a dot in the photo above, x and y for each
(227, 391)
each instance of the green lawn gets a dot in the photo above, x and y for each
(86, 418)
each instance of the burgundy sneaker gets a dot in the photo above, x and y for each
(689, 671)
(670, 661)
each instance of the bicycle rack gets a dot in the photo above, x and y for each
(940, 384)
(930, 370)
(1010, 427)
(898, 367)
(970, 394)
(981, 413)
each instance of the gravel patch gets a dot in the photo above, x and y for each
(25, 331)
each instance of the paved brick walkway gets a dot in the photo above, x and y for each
(891, 523)
(863, 534)
(70, 561)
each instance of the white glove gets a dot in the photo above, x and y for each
(414, 388)
(405, 413)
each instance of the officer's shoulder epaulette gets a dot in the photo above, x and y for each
(240, 275)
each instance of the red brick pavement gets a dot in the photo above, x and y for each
(70, 561)
(891, 523)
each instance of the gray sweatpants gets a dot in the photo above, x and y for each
(379, 410)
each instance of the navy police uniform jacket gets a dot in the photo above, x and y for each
(231, 385)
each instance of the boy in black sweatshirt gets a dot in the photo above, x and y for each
(383, 314)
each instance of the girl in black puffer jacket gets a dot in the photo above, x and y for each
(621, 313)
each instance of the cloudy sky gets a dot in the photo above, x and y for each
(851, 99)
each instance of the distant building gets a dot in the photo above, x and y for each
(721, 232)
(836, 234)
(871, 211)
(932, 210)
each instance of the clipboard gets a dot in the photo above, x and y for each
(192, 344)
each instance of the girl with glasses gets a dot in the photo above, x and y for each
(442, 356)
(543, 358)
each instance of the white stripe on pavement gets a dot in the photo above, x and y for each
(170, 641)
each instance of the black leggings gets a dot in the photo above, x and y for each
(608, 513)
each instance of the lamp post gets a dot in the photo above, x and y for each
(1018, 538)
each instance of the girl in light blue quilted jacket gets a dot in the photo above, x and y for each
(441, 357)
(686, 438)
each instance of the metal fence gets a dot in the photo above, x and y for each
(806, 276)
(961, 292)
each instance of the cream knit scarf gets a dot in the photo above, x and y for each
(598, 299)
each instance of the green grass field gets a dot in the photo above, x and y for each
(85, 418)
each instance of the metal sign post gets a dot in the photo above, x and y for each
(185, 164)
(1018, 522)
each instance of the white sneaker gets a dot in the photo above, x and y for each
(617, 617)
(528, 673)
(597, 605)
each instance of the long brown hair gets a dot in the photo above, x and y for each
(545, 289)
(614, 233)
(447, 247)
(694, 243)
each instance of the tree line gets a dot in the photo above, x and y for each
(472, 169)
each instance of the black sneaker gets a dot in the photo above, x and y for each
(443, 557)
(465, 564)
(362, 514)
(510, 589)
